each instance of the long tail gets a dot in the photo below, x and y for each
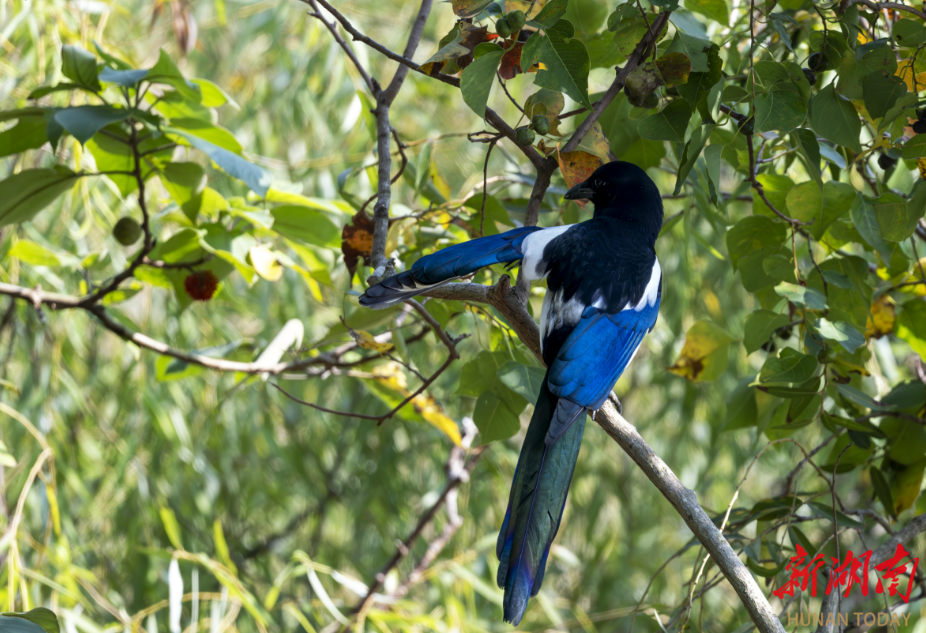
(445, 266)
(535, 508)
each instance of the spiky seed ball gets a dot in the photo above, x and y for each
(503, 28)
(525, 136)
(516, 20)
(885, 162)
(201, 285)
(810, 75)
(127, 231)
(920, 126)
(540, 124)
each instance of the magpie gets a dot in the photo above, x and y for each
(604, 286)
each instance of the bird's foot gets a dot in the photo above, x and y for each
(617, 404)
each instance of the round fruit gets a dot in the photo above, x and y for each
(885, 162)
(651, 101)
(811, 76)
(503, 28)
(540, 124)
(127, 231)
(817, 62)
(516, 20)
(920, 126)
(201, 285)
(748, 126)
(525, 136)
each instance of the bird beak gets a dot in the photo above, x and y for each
(581, 191)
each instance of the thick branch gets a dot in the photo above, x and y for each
(879, 6)
(686, 504)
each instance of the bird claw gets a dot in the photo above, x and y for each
(618, 405)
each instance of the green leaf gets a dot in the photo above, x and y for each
(781, 109)
(165, 71)
(208, 132)
(41, 616)
(834, 118)
(79, 65)
(255, 177)
(911, 325)
(551, 12)
(866, 223)
(82, 122)
(896, 218)
(908, 33)
(695, 48)
(494, 419)
(809, 151)
(172, 527)
(495, 211)
(760, 326)
(881, 91)
(914, 148)
(34, 254)
(809, 298)
(692, 152)
(28, 133)
(524, 380)
(667, 125)
(477, 79)
(24, 194)
(790, 368)
(628, 33)
(713, 10)
(127, 78)
(804, 202)
(18, 625)
(841, 332)
(882, 489)
(566, 60)
(184, 182)
(305, 224)
(754, 234)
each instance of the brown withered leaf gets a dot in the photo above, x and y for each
(511, 62)
(456, 50)
(356, 241)
(576, 167)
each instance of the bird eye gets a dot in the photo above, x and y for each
(597, 182)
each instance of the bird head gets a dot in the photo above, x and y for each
(623, 191)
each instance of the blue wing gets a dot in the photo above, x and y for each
(446, 265)
(592, 358)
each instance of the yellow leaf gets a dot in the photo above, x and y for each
(704, 355)
(921, 164)
(392, 376)
(266, 263)
(905, 487)
(905, 71)
(366, 341)
(882, 317)
(432, 412)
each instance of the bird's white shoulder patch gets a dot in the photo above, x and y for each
(556, 314)
(651, 293)
(532, 247)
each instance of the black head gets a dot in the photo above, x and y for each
(625, 192)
